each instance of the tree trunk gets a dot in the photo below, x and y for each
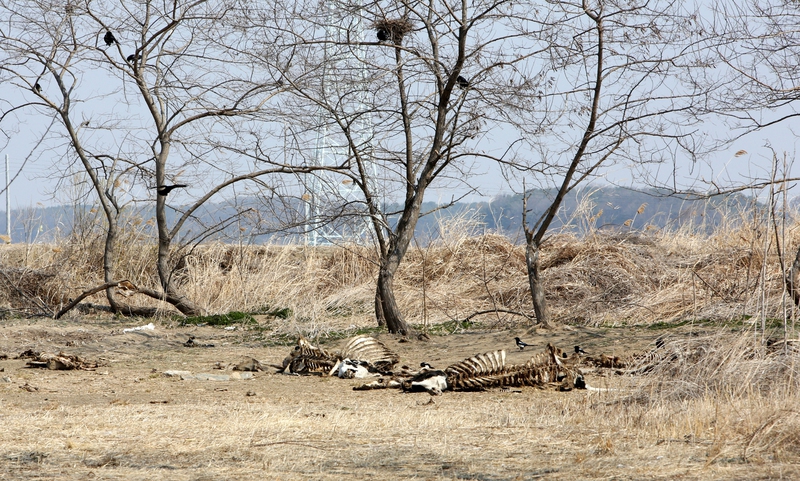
(391, 313)
(182, 303)
(535, 281)
(109, 256)
(791, 280)
(379, 307)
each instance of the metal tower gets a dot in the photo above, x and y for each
(335, 209)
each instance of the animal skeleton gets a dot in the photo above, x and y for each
(488, 370)
(361, 352)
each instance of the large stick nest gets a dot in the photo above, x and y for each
(394, 29)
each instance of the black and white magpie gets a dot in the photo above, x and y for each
(521, 345)
(578, 350)
(166, 189)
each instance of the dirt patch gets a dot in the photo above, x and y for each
(127, 420)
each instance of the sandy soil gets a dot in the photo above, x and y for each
(127, 420)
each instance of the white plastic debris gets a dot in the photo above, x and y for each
(230, 328)
(148, 327)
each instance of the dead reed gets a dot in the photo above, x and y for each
(600, 279)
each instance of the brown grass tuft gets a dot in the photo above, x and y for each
(732, 365)
(602, 279)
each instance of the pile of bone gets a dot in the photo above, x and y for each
(365, 356)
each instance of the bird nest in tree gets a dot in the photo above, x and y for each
(393, 29)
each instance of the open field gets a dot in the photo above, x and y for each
(127, 420)
(725, 405)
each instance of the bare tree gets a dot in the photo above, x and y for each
(171, 89)
(610, 90)
(408, 95)
(755, 87)
(39, 47)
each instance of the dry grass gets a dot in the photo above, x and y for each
(712, 404)
(601, 279)
(474, 436)
(126, 422)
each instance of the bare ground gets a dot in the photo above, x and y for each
(127, 420)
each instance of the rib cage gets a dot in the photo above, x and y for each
(477, 372)
(303, 365)
(488, 370)
(306, 358)
(305, 349)
(372, 351)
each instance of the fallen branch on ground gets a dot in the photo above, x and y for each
(125, 286)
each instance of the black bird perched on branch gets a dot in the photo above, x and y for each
(521, 345)
(462, 82)
(37, 87)
(109, 38)
(383, 34)
(133, 57)
(166, 189)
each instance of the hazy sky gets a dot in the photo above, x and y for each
(34, 184)
(36, 176)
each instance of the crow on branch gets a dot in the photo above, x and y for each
(109, 38)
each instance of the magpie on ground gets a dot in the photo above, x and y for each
(521, 345)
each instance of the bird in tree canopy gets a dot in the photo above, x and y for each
(109, 38)
(462, 82)
(166, 189)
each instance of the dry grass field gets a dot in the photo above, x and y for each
(723, 404)
(127, 420)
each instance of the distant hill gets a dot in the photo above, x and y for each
(603, 208)
(607, 208)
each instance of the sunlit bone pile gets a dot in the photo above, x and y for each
(364, 357)
(361, 357)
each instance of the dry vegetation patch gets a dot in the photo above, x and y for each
(127, 420)
(602, 278)
(717, 401)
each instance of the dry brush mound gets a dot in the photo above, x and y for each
(600, 279)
